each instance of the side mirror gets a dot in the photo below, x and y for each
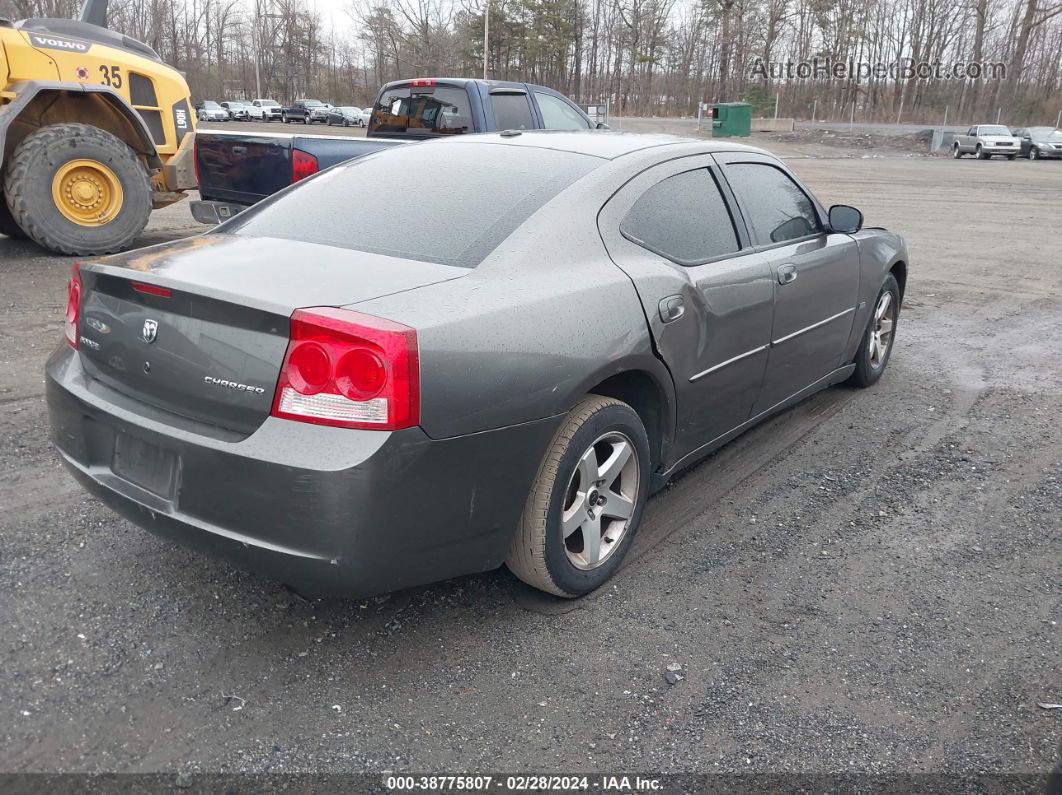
(602, 126)
(845, 219)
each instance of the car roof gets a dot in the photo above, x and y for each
(607, 145)
(460, 82)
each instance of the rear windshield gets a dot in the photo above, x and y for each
(434, 202)
(443, 111)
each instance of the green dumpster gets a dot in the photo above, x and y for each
(731, 119)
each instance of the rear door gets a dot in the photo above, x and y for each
(816, 274)
(511, 109)
(708, 296)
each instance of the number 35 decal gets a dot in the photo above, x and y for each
(112, 76)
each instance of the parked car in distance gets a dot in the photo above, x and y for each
(300, 110)
(254, 112)
(271, 109)
(985, 140)
(497, 367)
(1038, 143)
(320, 112)
(209, 110)
(432, 107)
(235, 172)
(345, 116)
(237, 110)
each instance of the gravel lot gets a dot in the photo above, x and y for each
(867, 583)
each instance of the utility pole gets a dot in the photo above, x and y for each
(486, 37)
(254, 39)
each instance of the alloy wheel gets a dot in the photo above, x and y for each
(881, 330)
(600, 500)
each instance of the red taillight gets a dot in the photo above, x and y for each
(152, 289)
(351, 370)
(73, 304)
(303, 164)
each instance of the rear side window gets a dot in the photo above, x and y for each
(511, 112)
(683, 218)
(434, 202)
(443, 111)
(777, 208)
(558, 114)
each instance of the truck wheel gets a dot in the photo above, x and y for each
(982, 154)
(7, 223)
(1011, 157)
(586, 501)
(956, 152)
(76, 189)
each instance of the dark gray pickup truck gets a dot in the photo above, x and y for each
(236, 170)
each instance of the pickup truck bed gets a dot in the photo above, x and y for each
(237, 169)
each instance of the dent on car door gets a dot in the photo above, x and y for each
(816, 274)
(707, 295)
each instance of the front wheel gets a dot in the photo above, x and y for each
(586, 501)
(1034, 154)
(1011, 157)
(982, 154)
(76, 189)
(874, 351)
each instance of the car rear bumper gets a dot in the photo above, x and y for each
(327, 511)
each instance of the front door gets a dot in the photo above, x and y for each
(816, 274)
(707, 295)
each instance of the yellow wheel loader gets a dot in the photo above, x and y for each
(95, 132)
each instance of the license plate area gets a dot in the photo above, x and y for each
(146, 465)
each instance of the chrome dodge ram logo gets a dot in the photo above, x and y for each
(150, 330)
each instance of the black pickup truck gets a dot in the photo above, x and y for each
(237, 170)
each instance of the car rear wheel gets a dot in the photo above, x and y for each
(873, 355)
(586, 502)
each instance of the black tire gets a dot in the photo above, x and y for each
(538, 554)
(1034, 154)
(28, 188)
(956, 152)
(8, 225)
(1011, 157)
(286, 120)
(868, 371)
(982, 154)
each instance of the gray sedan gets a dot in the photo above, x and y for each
(494, 361)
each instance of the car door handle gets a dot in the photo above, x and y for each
(239, 150)
(787, 274)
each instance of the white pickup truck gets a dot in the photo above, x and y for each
(985, 140)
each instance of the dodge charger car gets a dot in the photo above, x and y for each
(499, 367)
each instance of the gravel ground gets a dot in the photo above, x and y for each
(868, 583)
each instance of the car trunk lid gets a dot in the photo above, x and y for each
(199, 328)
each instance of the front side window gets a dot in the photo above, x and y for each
(511, 112)
(775, 206)
(558, 114)
(683, 218)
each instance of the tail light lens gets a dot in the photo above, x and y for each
(350, 370)
(303, 164)
(73, 305)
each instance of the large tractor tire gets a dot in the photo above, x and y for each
(7, 223)
(76, 189)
